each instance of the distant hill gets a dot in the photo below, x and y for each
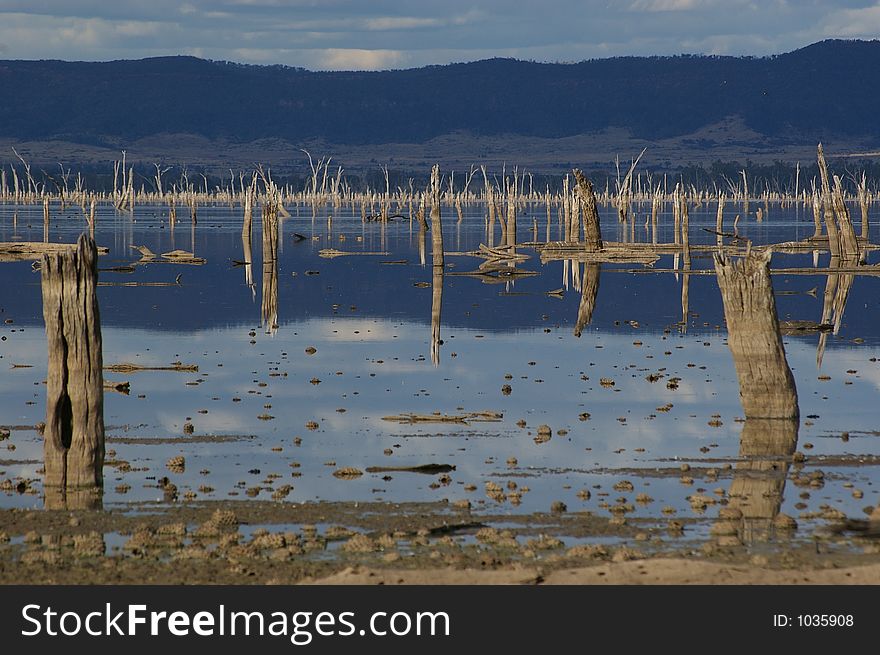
(826, 89)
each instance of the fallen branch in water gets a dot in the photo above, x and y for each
(463, 419)
(134, 368)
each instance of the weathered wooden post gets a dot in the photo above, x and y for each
(766, 385)
(73, 439)
(592, 230)
(766, 388)
(438, 263)
(269, 302)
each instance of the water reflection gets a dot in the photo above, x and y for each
(269, 302)
(589, 291)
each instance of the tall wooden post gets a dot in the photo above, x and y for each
(438, 263)
(73, 439)
(766, 385)
(592, 230)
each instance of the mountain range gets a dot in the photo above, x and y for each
(709, 106)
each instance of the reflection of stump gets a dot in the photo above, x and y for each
(765, 450)
(436, 305)
(766, 385)
(269, 303)
(74, 433)
(589, 291)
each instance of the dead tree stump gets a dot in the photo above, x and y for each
(766, 385)
(438, 264)
(269, 297)
(73, 440)
(592, 230)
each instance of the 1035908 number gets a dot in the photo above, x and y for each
(824, 620)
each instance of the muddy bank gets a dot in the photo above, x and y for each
(352, 543)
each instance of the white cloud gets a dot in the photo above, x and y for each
(355, 59)
(400, 23)
(667, 5)
(350, 34)
(863, 22)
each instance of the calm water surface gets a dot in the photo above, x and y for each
(258, 392)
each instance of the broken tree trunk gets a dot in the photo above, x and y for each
(73, 440)
(766, 385)
(436, 231)
(828, 206)
(437, 261)
(269, 301)
(592, 230)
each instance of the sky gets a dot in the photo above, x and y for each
(383, 34)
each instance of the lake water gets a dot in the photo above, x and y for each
(265, 413)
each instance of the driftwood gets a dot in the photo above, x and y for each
(34, 250)
(119, 387)
(73, 438)
(427, 469)
(463, 419)
(135, 368)
(330, 253)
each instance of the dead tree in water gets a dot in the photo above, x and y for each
(767, 392)
(766, 384)
(437, 261)
(269, 304)
(73, 439)
(592, 230)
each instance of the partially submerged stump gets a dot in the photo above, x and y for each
(766, 385)
(73, 439)
(269, 300)
(766, 390)
(592, 230)
(438, 263)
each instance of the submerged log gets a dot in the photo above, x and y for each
(766, 385)
(73, 439)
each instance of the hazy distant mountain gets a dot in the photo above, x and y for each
(829, 88)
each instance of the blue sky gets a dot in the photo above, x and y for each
(380, 34)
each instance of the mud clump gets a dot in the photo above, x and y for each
(176, 464)
(360, 543)
(347, 473)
